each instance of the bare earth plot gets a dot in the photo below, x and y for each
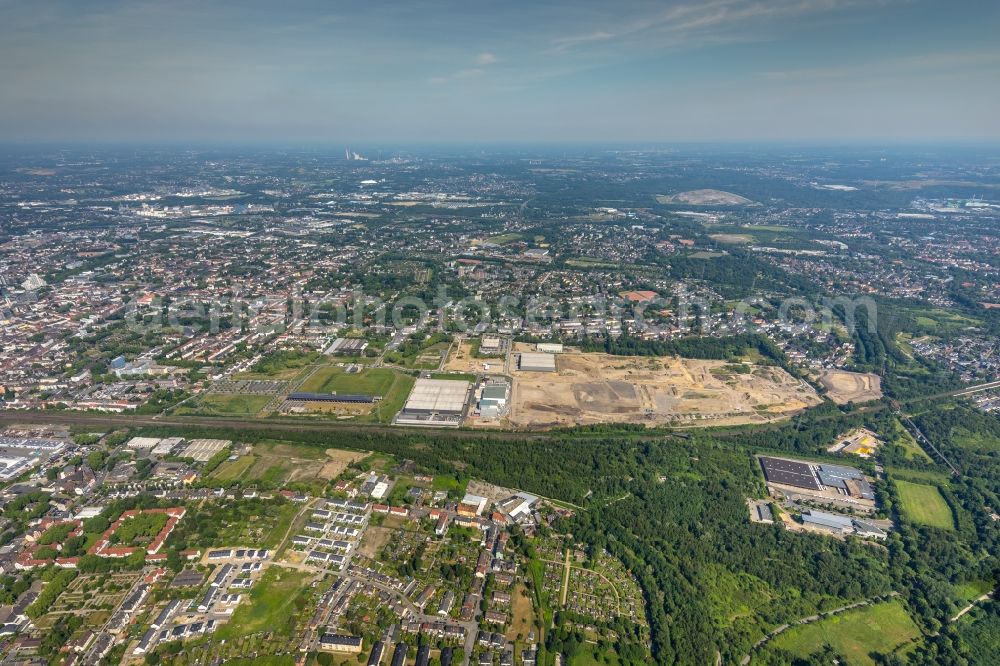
(843, 387)
(732, 239)
(278, 461)
(599, 388)
(462, 360)
(374, 540)
(704, 198)
(337, 462)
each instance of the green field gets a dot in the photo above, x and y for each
(903, 438)
(426, 358)
(975, 441)
(590, 656)
(918, 475)
(590, 262)
(505, 239)
(855, 634)
(924, 504)
(271, 606)
(332, 379)
(279, 365)
(263, 529)
(454, 376)
(224, 404)
(972, 589)
(449, 484)
(233, 469)
(936, 320)
(262, 660)
(734, 596)
(139, 530)
(393, 386)
(393, 402)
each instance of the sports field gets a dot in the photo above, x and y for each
(924, 504)
(855, 634)
(391, 385)
(333, 379)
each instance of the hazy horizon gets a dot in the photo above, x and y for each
(843, 72)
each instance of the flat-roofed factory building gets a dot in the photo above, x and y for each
(789, 473)
(347, 347)
(435, 402)
(490, 344)
(836, 485)
(352, 398)
(536, 362)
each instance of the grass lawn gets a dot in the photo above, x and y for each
(392, 401)
(733, 596)
(449, 484)
(139, 530)
(973, 589)
(918, 475)
(370, 381)
(902, 437)
(880, 628)
(224, 404)
(270, 606)
(274, 474)
(271, 660)
(260, 526)
(505, 239)
(393, 386)
(541, 598)
(279, 365)
(277, 533)
(587, 656)
(455, 376)
(590, 262)
(234, 469)
(924, 504)
(275, 462)
(975, 441)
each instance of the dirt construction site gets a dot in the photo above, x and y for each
(843, 387)
(599, 388)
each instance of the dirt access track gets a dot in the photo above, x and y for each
(599, 388)
(843, 387)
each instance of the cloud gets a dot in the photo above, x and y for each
(480, 62)
(923, 63)
(565, 43)
(713, 20)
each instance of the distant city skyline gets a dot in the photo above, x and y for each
(363, 72)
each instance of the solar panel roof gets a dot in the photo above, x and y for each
(789, 473)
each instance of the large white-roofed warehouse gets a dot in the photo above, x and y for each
(535, 362)
(435, 402)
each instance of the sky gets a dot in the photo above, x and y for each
(507, 71)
